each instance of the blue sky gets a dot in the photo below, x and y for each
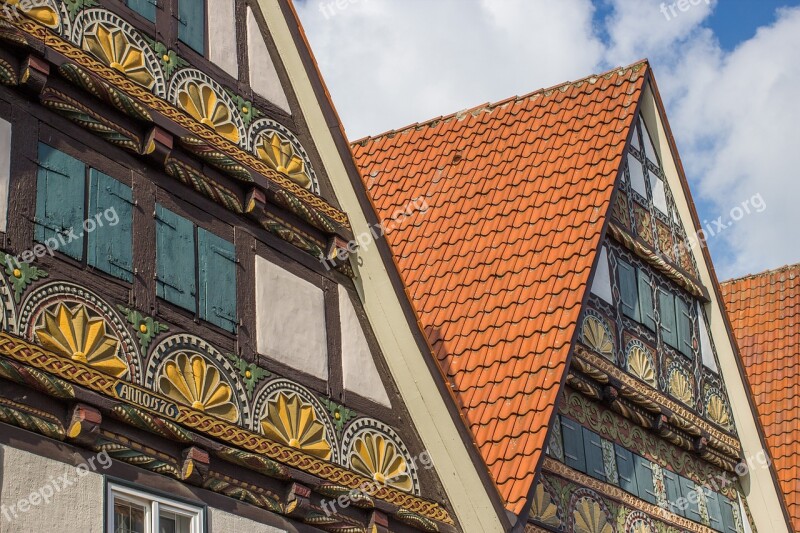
(727, 70)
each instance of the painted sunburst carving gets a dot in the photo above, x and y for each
(377, 457)
(200, 101)
(717, 411)
(114, 48)
(81, 336)
(597, 336)
(38, 10)
(544, 510)
(190, 380)
(641, 526)
(640, 364)
(293, 422)
(280, 155)
(590, 517)
(680, 387)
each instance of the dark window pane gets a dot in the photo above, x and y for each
(128, 517)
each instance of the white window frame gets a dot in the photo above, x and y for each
(153, 505)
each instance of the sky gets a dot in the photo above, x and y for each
(728, 71)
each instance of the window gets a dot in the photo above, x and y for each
(98, 231)
(196, 270)
(636, 294)
(666, 311)
(134, 511)
(628, 291)
(684, 322)
(146, 8)
(192, 24)
(677, 322)
(584, 451)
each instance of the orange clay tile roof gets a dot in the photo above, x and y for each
(764, 310)
(496, 268)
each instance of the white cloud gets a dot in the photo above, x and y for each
(390, 63)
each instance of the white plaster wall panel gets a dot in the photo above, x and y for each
(263, 76)
(226, 522)
(78, 507)
(290, 319)
(601, 286)
(222, 49)
(5, 171)
(358, 367)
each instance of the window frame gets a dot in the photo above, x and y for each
(221, 229)
(153, 503)
(185, 49)
(99, 164)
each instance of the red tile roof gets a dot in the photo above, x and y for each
(764, 310)
(497, 267)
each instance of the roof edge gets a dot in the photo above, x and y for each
(491, 106)
(761, 274)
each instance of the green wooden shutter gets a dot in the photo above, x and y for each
(644, 479)
(110, 248)
(175, 259)
(692, 509)
(60, 196)
(684, 326)
(714, 511)
(628, 290)
(726, 510)
(666, 311)
(626, 470)
(593, 450)
(646, 301)
(673, 488)
(573, 444)
(217, 276)
(146, 8)
(192, 24)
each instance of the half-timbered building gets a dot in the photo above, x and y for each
(561, 281)
(183, 337)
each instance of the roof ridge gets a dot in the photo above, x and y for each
(491, 106)
(761, 274)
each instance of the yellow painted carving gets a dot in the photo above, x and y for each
(200, 101)
(640, 526)
(279, 154)
(590, 517)
(641, 365)
(596, 336)
(111, 46)
(75, 334)
(291, 421)
(717, 411)
(39, 11)
(377, 457)
(544, 509)
(680, 387)
(190, 380)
